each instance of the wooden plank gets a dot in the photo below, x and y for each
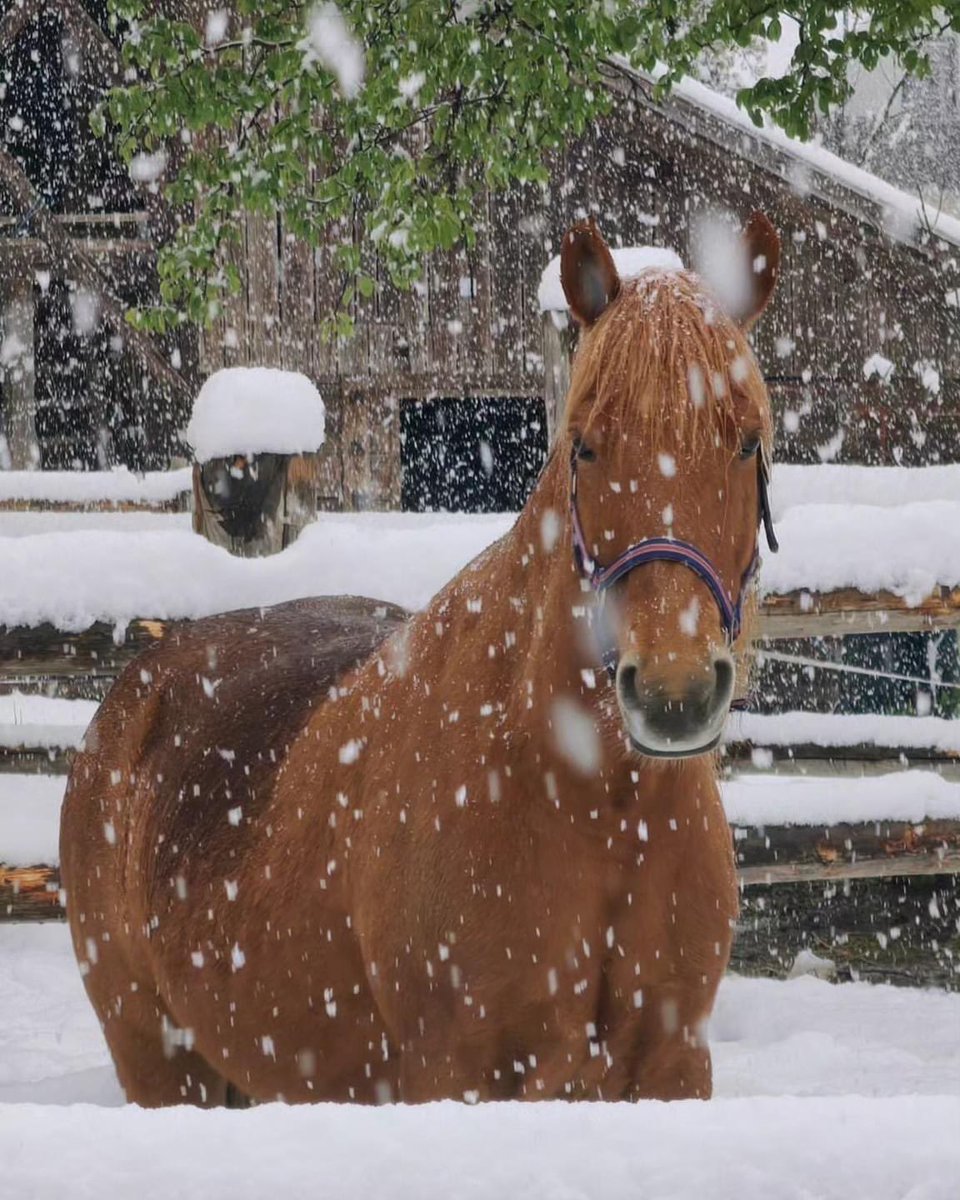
(17, 249)
(557, 353)
(330, 457)
(300, 495)
(860, 754)
(764, 856)
(818, 762)
(35, 760)
(506, 290)
(894, 929)
(297, 315)
(46, 652)
(263, 291)
(370, 440)
(232, 346)
(443, 340)
(803, 614)
(861, 851)
(30, 894)
(19, 372)
(178, 504)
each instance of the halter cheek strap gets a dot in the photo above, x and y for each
(667, 550)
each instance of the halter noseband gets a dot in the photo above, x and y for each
(650, 550)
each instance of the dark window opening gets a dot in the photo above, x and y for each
(480, 454)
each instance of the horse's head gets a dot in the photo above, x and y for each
(666, 431)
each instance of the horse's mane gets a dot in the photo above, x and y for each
(665, 360)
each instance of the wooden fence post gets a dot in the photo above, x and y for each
(559, 339)
(254, 499)
(17, 350)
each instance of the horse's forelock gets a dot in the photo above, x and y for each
(666, 359)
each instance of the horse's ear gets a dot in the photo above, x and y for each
(762, 245)
(587, 272)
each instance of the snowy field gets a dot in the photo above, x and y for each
(826, 1091)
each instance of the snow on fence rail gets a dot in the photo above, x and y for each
(94, 489)
(786, 829)
(842, 569)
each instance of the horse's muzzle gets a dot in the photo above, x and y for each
(675, 718)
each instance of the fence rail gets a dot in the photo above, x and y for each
(44, 651)
(764, 855)
(783, 869)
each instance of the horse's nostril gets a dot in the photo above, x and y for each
(723, 669)
(627, 687)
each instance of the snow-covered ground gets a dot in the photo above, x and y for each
(849, 1091)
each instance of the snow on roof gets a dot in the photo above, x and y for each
(116, 486)
(903, 214)
(630, 262)
(253, 410)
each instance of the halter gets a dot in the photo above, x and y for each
(668, 549)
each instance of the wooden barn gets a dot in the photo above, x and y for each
(466, 359)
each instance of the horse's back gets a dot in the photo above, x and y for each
(189, 740)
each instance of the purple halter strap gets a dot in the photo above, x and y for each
(668, 550)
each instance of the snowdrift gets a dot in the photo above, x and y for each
(842, 1148)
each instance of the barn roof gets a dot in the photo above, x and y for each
(809, 168)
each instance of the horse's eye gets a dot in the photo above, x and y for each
(749, 447)
(584, 453)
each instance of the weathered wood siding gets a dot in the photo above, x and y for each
(472, 325)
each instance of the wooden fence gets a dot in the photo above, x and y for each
(836, 888)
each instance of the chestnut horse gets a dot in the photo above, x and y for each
(325, 853)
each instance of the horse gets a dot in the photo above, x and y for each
(334, 852)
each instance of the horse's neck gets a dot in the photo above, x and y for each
(531, 596)
(509, 633)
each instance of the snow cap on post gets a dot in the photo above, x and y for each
(255, 410)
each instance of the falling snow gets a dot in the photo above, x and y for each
(329, 42)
